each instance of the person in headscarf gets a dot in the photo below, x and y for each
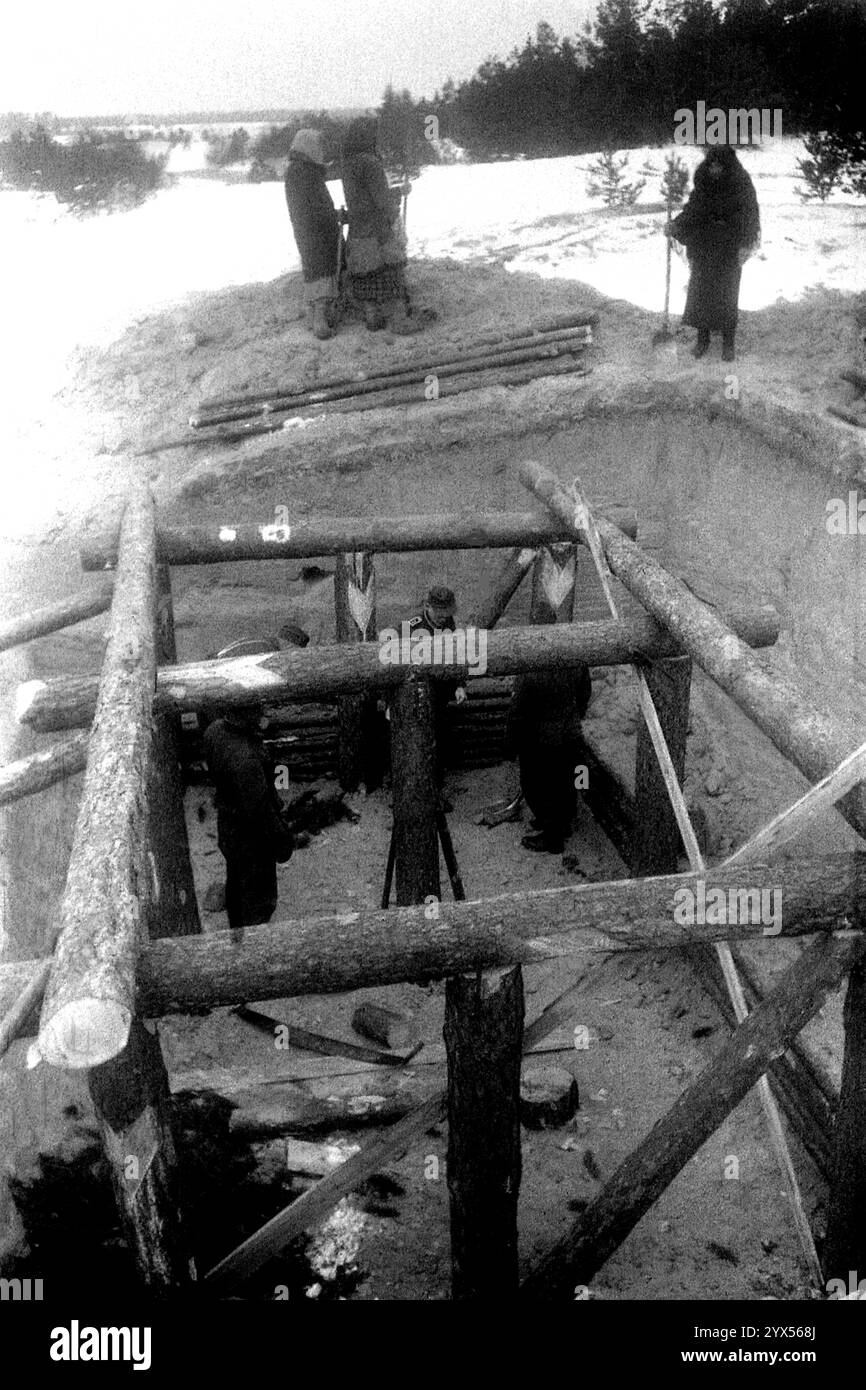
(376, 245)
(317, 229)
(720, 227)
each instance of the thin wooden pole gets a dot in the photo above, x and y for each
(657, 841)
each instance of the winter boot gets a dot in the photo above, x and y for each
(373, 317)
(546, 842)
(728, 353)
(399, 320)
(320, 325)
(702, 345)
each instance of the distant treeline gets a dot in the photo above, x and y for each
(619, 84)
(93, 173)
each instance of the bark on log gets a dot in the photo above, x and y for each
(550, 345)
(131, 1097)
(69, 701)
(657, 843)
(845, 1246)
(354, 950)
(812, 740)
(644, 1175)
(90, 999)
(307, 537)
(55, 616)
(484, 1041)
(414, 793)
(43, 769)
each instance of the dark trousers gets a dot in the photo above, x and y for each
(251, 890)
(547, 783)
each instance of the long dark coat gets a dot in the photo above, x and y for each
(314, 217)
(720, 219)
(247, 804)
(543, 730)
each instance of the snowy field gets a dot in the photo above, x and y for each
(68, 282)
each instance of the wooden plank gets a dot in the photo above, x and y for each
(315, 672)
(643, 1176)
(90, 998)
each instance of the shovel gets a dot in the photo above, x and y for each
(664, 334)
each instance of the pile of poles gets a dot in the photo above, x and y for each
(552, 347)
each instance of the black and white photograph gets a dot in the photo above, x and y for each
(432, 676)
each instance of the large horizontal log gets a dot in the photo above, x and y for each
(354, 950)
(311, 672)
(55, 616)
(40, 770)
(313, 537)
(89, 1002)
(643, 1176)
(812, 740)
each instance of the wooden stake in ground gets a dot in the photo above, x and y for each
(90, 999)
(131, 1097)
(484, 1043)
(414, 793)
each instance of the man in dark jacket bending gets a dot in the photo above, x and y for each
(544, 733)
(316, 227)
(249, 830)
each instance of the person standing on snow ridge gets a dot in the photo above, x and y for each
(252, 836)
(720, 227)
(316, 226)
(376, 245)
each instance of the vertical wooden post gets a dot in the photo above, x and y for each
(414, 793)
(845, 1246)
(553, 578)
(484, 1044)
(355, 614)
(169, 906)
(656, 844)
(132, 1100)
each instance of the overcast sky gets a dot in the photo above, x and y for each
(95, 57)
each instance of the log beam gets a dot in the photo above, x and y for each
(90, 998)
(308, 537)
(355, 621)
(273, 678)
(43, 769)
(354, 950)
(414, 793)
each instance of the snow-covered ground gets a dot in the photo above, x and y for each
(66, 281)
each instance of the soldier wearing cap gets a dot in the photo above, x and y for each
(250, 832)
(438, 616)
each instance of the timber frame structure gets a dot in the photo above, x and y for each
(129, 948)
